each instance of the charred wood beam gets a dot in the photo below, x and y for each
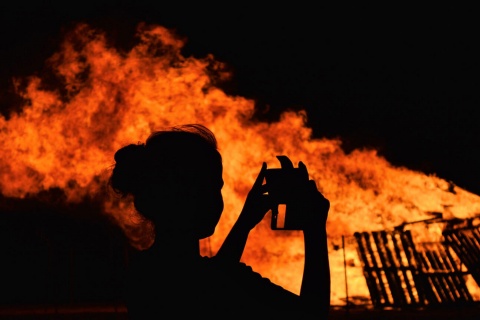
(372, 270)
(406, 269)
(465, 242)
(390, 268)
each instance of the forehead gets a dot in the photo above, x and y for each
(208, 163)
(204, 175)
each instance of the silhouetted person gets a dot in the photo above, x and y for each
(175, 179)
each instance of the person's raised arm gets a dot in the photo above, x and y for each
(254, 209)
(315, 288)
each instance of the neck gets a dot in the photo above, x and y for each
(179, 247)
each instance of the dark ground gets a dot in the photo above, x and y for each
(112, 312)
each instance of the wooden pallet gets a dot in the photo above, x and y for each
(465, 242)
(400, 273)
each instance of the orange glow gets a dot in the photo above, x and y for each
(65, 138)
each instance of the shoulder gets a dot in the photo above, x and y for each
(240, 285)
(242, 276)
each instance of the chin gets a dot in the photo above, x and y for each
(206, 234)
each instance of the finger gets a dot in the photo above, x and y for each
(311, 187)
(313, 184)
(314, 189)
(262, 189)
(303, 170)
(261, 175)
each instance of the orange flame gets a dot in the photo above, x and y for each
(66, 137)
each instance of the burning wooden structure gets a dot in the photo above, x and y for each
(464, 240)
(401, 271)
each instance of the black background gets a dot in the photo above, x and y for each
(400, 79)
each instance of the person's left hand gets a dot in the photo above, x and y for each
(257, 202)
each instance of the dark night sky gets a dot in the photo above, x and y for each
(403, 80)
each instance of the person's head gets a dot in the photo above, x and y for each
(175, 178)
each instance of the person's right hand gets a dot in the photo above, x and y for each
(315, 206)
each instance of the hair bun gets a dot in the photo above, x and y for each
(129, 154)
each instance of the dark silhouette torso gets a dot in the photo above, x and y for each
(204, 288)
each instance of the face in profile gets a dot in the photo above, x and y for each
(190, 201)
(207, 200)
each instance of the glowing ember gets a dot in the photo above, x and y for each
(65, 138)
